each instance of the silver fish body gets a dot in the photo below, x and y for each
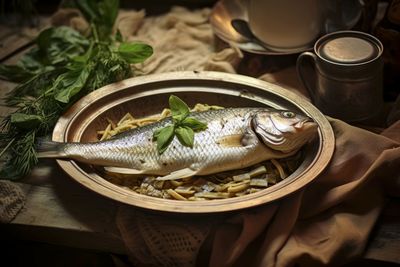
(235, 138)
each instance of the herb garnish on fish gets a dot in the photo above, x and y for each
(182, 126)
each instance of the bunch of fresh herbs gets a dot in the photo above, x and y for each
(63, 66)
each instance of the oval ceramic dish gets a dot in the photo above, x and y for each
(148, 95)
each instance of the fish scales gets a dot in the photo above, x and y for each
(136, 148)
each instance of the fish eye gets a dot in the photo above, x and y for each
(288, 114)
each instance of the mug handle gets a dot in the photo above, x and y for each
(301, 72)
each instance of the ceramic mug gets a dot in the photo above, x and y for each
(343, 75)
(286, 24)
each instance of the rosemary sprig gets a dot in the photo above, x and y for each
(63, 67)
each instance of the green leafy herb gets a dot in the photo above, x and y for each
(183, 126)
(179, 109)
(62, 67)
(194, 124)
(100, 13)
(25, 121)
(164, 137)
(185, 135)
(134, 53)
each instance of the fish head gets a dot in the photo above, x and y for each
(284, 130)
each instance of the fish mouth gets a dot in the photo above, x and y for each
(305, 124)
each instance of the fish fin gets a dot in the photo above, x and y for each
(49, 149)
(123, 170)
(234, 140)
(179, 174)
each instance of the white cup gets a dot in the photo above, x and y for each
(285, 25)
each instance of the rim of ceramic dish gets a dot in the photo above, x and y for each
(221, 87)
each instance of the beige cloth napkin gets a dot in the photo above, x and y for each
(181, 39)
(329, 221)
(326, 223)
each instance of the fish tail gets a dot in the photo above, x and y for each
(50, 149)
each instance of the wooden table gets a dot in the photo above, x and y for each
(60, 211)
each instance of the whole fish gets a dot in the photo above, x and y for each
(235, 138)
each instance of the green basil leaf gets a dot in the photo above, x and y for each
(58, 45)
(32, 61)
(179, 109)
(135, 52)
(185, 136)
(25, 121)
(194, 124)
(84, 58)
(44, 38)
(101, 15)
(157, 133)
(70, 84)
(59, 38)
(164, 137)
(108, 11)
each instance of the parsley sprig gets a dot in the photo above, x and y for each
(183, 126)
